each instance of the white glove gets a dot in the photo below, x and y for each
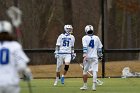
(27, 75)
(100, 56)
(73, 56)
(99, 52)
(56, 54)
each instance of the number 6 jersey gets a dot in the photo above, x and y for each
(91, 44)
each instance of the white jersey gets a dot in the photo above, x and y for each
(92, 43)
(65, 42)
(11, 54)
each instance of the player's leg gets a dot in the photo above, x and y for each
(94, 80)
(66, 68)
(98, 82)
(67, 59)
(86, 66)
(58, 69)
(95, 70)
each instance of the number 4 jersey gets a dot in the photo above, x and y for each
(65, 42)
(92, 44)
(12, 58)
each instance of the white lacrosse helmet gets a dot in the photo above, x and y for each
(5, 26)
(89, 29)
(68, 29)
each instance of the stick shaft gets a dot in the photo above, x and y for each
(29, 86)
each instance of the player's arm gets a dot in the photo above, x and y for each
(57, 48)
(73, 41)
(21, 62)
(99, 50)
(58, 43)
(84, 48)
(73, 55)
(84, 53)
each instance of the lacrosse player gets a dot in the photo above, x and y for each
(12, 60)
(92, 49)
(64, 52)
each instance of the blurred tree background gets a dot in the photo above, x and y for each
(43, 21)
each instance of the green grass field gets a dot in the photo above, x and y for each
(72, 85)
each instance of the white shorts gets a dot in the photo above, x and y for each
(62, 59)
(91, 65)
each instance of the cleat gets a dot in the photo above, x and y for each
(94, 87)
(62, 80)
(55, 83)
(84, 88)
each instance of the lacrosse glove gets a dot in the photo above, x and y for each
(56, 55)
(73, 55)
(100, 55)
(27, 75)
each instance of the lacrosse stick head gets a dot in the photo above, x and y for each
(99, 82)
(14, 14)
(5, 26)
(73, 56)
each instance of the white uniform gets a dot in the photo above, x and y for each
(66, 42)
(92, 43)
(12, 58)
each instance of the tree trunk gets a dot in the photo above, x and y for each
(123, 29)
(67, 6)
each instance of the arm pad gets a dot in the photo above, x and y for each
(84, 49)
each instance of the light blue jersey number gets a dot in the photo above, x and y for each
(4, 56)
(91, 44)
(66, 43)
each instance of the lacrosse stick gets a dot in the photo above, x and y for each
(28, 83)
(99, 82)
(15, 15)
(27, 76)
(29, 86)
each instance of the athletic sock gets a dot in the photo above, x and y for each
(62, 75)
(85, 84)
(57, 78)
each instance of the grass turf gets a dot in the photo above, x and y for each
(72, 85)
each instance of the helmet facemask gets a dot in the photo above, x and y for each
(68, 29)
(89, 30)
